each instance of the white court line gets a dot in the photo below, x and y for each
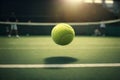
(59, 65)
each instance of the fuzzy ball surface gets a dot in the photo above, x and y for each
(62, 34)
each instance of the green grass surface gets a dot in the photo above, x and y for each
(42, 50)
(61, 74)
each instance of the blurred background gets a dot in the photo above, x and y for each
(61, 11)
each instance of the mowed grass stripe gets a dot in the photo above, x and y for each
(38, 48)
(59, 65)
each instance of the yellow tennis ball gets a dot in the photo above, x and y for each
(62, 34)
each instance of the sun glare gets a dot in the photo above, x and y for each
(98, 1)
(74, 2)
(109, 2)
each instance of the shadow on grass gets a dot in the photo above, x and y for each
(59, 60)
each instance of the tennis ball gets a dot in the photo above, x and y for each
(62, 34)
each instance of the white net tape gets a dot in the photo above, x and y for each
(73, 23)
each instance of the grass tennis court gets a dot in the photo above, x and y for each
(42, 50)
